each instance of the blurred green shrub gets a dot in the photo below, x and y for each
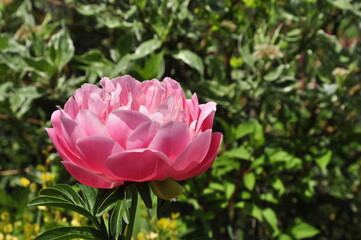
(285, 75)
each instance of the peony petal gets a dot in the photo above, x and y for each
(96, 149)
(62, 147)
(206, 163)
(193, 108)
(96, 104)
(55, 121)
(90, 178)
(121, 122)
(171, 139)
(71, 107)
(129, 88)
(194, 153)
(142, 135)
(91, 124)
(139, 165)
(71, 132)
(205, 120)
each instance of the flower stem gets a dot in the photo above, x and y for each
(133, 210)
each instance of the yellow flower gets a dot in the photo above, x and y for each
(33, 187)
(24, 181)
(140, 236)
(5, 215)
(152, 236)
(163, 223)
(42, 208)
(8, 228)
(172, 224)
(36, 227)
(47, 177)
(28, 229)
(2, 236)
(175, 215)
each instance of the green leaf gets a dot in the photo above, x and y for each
(40, 64)
(270, 216)
(140, 3)
(239, 153)
(257, 138)
(22, 98)
(58, 202)
(249, 180)
(90, 196)
(115, 221)
(284, 237)
(64, 191)
(144, 191)
(191, 59)
(124, 44)
(146, 48)
(64, 233)
(304, 230)
(109, 200)
(278, 186)
(4, 41)
(244, 129)
(61, 49)
(251, 209)
(324, 160)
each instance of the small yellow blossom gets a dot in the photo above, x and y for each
(152, 236)
(24, 182)
(33, 187)
(175, 215)
(42, 208)
(5, 215)
(163, 223)
(47, 177)
(8, 228)
(140, 236)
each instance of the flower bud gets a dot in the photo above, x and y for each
(167, 189)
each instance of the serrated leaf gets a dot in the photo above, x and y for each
(90, 196)
(109, 200)
(64, 191)
(64, 233)
(58, 202)
(191, 59)
(249, 180)
(115, 221)
(146, 48)
(304, 230)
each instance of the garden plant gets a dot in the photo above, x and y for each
(252, 130)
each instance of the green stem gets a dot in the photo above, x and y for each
(133, 210)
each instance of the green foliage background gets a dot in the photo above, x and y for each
(285, 75)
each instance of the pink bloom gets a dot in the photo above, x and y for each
(134, 131)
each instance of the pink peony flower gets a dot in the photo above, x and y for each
(134, 131)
